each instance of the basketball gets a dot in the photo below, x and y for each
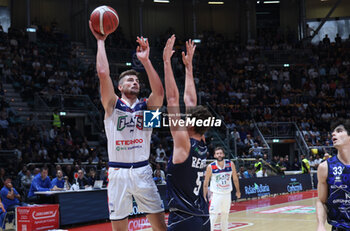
(104, 20)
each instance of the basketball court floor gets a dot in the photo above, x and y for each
(292, 212)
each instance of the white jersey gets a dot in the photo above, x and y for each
(128, 141)
(221, 177)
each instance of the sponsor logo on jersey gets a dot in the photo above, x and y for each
(121, 144)
(129, 122)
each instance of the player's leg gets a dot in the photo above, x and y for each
(214, 210)
(120, 225)
(147, 197)
(119, 199)
(157, 221)
(184, 222)
(225, 210)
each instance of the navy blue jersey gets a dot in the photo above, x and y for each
(185, 182)
(338, 202)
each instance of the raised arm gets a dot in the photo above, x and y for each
(322, 190)
(235, 180)
(179, 134)
(208, 174)
(108, 96)
(155, 100)
(190, 95)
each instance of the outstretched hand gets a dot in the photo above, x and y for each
(168, 49)
(190, 48)
(97, 35)
(142, 50)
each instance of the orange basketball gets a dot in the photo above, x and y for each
(104, 20)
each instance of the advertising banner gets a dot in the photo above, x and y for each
(258, 187)
(37, 217)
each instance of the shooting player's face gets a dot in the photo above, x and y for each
(340, 136)
(129, 85)
(219, 155)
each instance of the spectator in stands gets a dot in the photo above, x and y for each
(264, 173)
(241, 172)
(305, 164)
(2, 215)
(92, 176)
(258, 167)
(9, 196)
(280, 166)
(160, 150)
(69, 173)
(296, 164)
(26, 181)
(326, 156)
(158, 167)
(60, 158)
(69, 159)
(56, 119)
(255, 151)
(59, 182)
(2, 176)
(157, 177)
(249, 142)
(248, 173)
(82, 180)
(41, 182)
(286, 163)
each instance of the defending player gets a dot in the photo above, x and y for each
(220, 173)
(188, 208)
(333, 202)
(129, 173)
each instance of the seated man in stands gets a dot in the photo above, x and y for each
(59, 182)
(9, 196)
(82, 180)
(41, 182)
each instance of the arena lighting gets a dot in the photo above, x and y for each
(216, 3)
(128, 64)
(63, 113)
(31, 29)
(275, 140)
(161, 1)
(197, 40)
(286, 65)
(271, 2)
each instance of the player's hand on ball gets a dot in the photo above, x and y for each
(97, 35)
(168, 49)
(190, 48)
(142, 50)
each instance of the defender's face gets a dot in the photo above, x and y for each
(129, 85)
(340, 136)
(219, 155)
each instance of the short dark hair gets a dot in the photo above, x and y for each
(219, 148)
(128, 72)
(200, 112)
(44, 168)
(341, 121)
(7, 177)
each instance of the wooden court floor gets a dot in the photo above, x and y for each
(290, 212)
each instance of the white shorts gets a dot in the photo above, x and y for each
(123, 183)
(220, 203)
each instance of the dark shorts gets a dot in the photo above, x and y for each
(185, 222)
(338, 229)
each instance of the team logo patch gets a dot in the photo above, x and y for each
(151, 119)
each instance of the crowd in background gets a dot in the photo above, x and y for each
(233, 78)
